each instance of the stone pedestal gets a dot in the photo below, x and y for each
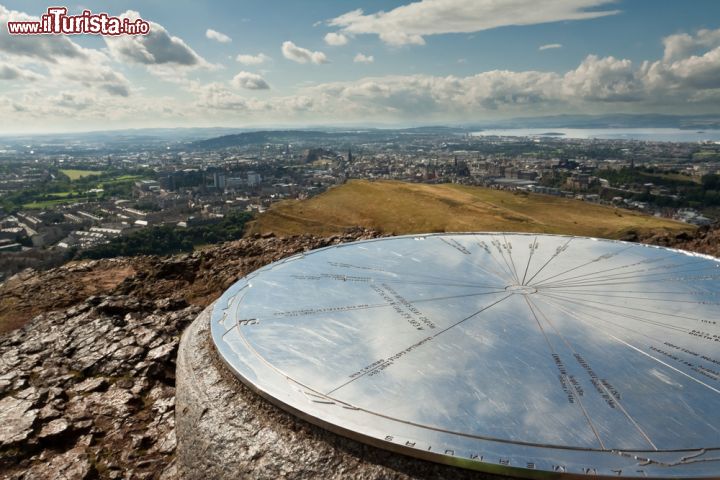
(226, 431)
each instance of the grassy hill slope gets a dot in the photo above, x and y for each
(401, 208)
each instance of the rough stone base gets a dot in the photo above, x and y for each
(226, 431)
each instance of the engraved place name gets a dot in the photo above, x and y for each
(456, 245)
(602, 386)
(405, 309)
(713, 374)
(367, 369)
(705, 335)
(359, 267)
(565, 379)
(314, 311)
(380, 365)
(332, 276)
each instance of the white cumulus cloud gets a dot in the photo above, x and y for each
(362, 58)
(250, 81)
(408, 24)
(302, 55)
(336, 39)
(156, 48)
(217, 36)
(247, 59)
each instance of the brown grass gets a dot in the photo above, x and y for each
(403, 208)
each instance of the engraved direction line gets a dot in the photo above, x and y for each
(602, 292)
(605, 295)
(482, 244)
(345, 308)
(420, 343)
(625, 315)
(620, 276)
(462, 249)
(508, 247)
(633, 308)
(558, 251)
(403, 273)
(577, 394)
(647, 260)
(499, 246)
(600, 384)
(533, 246)
(596, 274)
(605, 256)
(355, 279)
(611, 284)
(666, 364)
(496, 243)
(576, 314)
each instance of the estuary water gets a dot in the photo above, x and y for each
(645, 134)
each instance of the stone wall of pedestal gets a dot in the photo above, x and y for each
(226, 431)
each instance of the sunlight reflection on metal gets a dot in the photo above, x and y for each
(513, 353)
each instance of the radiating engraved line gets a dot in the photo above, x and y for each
(603, 320)
(533, 247)
(706, 277)
(595, 274)
(577, 394)
(488, 269)
(600, 384)
(346, 308)
(605, 295)
(600, 292)
(647, 260)
(431, 337)
(666, 364)
(368, 279)
(558, 251)
(498, 246)
(622, 276)
(636, 309)
(508, 247)
(625, 315)
(606, 256)
(484, 246)
(465, 285)
(408, 274)
(285, 375)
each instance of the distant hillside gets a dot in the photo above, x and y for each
(401, 208)
(335, 135)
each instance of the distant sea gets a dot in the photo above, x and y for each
(646, 134)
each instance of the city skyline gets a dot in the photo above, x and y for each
(372, 62)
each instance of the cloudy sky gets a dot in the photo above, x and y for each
(328, 62)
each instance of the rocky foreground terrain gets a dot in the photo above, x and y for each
(87, 357)
(87, 387)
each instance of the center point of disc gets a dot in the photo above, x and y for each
(521, 289)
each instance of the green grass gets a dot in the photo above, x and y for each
(121, 179)
(78, 174)
(38, 205)
(403, 208)
(678, 177)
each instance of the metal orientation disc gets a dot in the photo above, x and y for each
(529, 355)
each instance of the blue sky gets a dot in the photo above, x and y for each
(429, 61)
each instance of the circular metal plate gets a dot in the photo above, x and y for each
(521, 354)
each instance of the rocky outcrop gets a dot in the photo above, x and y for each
(87, 389)
(225, 431)
(704, 240)
(91, 391)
